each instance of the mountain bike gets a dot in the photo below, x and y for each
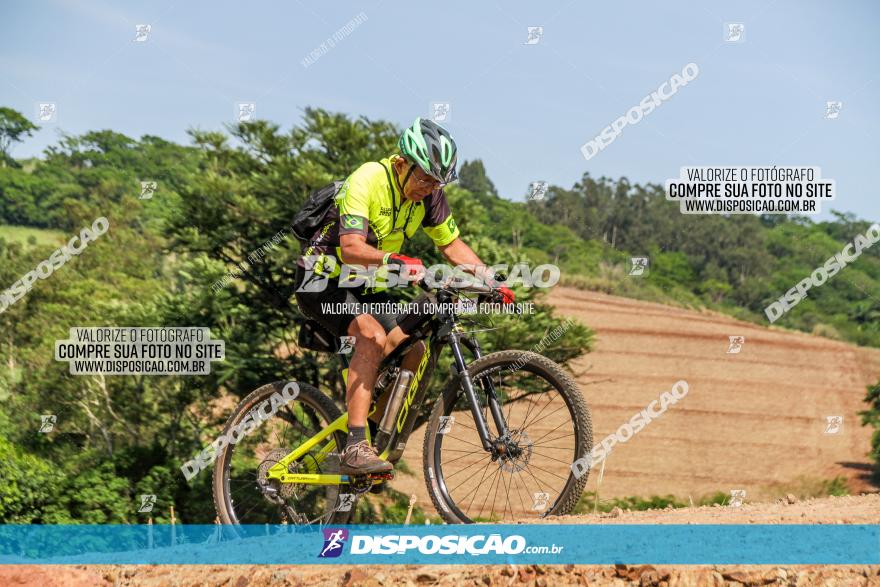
(498, 445)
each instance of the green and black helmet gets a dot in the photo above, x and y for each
(429, 145)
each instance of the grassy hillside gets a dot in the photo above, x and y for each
(30, 236)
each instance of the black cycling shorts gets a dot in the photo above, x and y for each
(324, 307)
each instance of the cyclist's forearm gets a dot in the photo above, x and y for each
(365, 255)
(459, 254)
(360, 253)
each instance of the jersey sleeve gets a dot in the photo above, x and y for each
(438, 222)
(354, 198)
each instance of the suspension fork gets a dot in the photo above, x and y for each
(467, 385)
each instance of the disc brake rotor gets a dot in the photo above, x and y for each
(519, 451)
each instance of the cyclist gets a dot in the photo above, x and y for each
(377, 209)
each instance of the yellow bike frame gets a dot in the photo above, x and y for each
(280, 471)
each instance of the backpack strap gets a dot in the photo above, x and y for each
(394, 208)
(391, 189)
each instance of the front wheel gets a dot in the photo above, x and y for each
(548, 428)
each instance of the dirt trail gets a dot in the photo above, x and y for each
(753, 420)
(863, 509)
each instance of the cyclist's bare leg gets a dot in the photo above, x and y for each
(410, 362)
(363, 369)
(359, 457)
(413, 357)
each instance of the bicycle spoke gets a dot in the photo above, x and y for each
(549, 472)
(458, 458)
(479, 484)
(552, 431)
(488, 492)
(530, 408)
(550, 414)
(551, 458)
(460, 470)
(462, 424)
(552, 439)
(549, 403)
(525, 509)
(495, 498)
(462, 483)
(464, 441)
(536, 479)
(507, 498)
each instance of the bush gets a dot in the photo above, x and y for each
(27, 485)
(871, 417)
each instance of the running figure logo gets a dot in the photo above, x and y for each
(734, 32)
(736, 344)
(142, 32)
(346, 500)
(346, 345)
(247, 111)
(334, 540)
(148, 188)
(47, 423)
(147, 503)
(832, 109)
(638, 266)
(48, 112)
(535, 34)
(737, 496)
(833, 424)
(440, 111)
(537, 190)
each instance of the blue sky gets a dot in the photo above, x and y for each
(525, 110)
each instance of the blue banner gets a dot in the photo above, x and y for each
(472, 544)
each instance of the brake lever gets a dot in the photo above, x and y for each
(496, 298)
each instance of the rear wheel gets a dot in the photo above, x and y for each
(529, 472)
(242, 492)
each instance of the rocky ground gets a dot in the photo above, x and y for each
(863, 509)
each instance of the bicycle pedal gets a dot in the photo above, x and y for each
(380, 476)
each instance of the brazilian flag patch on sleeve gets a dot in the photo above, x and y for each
(352, 222)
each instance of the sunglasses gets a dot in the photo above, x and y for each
(420, 177)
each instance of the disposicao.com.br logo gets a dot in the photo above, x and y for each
(455, 544)
(334, 541)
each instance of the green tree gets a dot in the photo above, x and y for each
(871, 417)
(13, 128)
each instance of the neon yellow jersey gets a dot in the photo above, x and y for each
(370, 203)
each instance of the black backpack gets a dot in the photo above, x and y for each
(309, 218)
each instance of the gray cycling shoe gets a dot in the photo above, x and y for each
(362, 459)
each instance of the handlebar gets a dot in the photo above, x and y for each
(485, 292)
(478, 289)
